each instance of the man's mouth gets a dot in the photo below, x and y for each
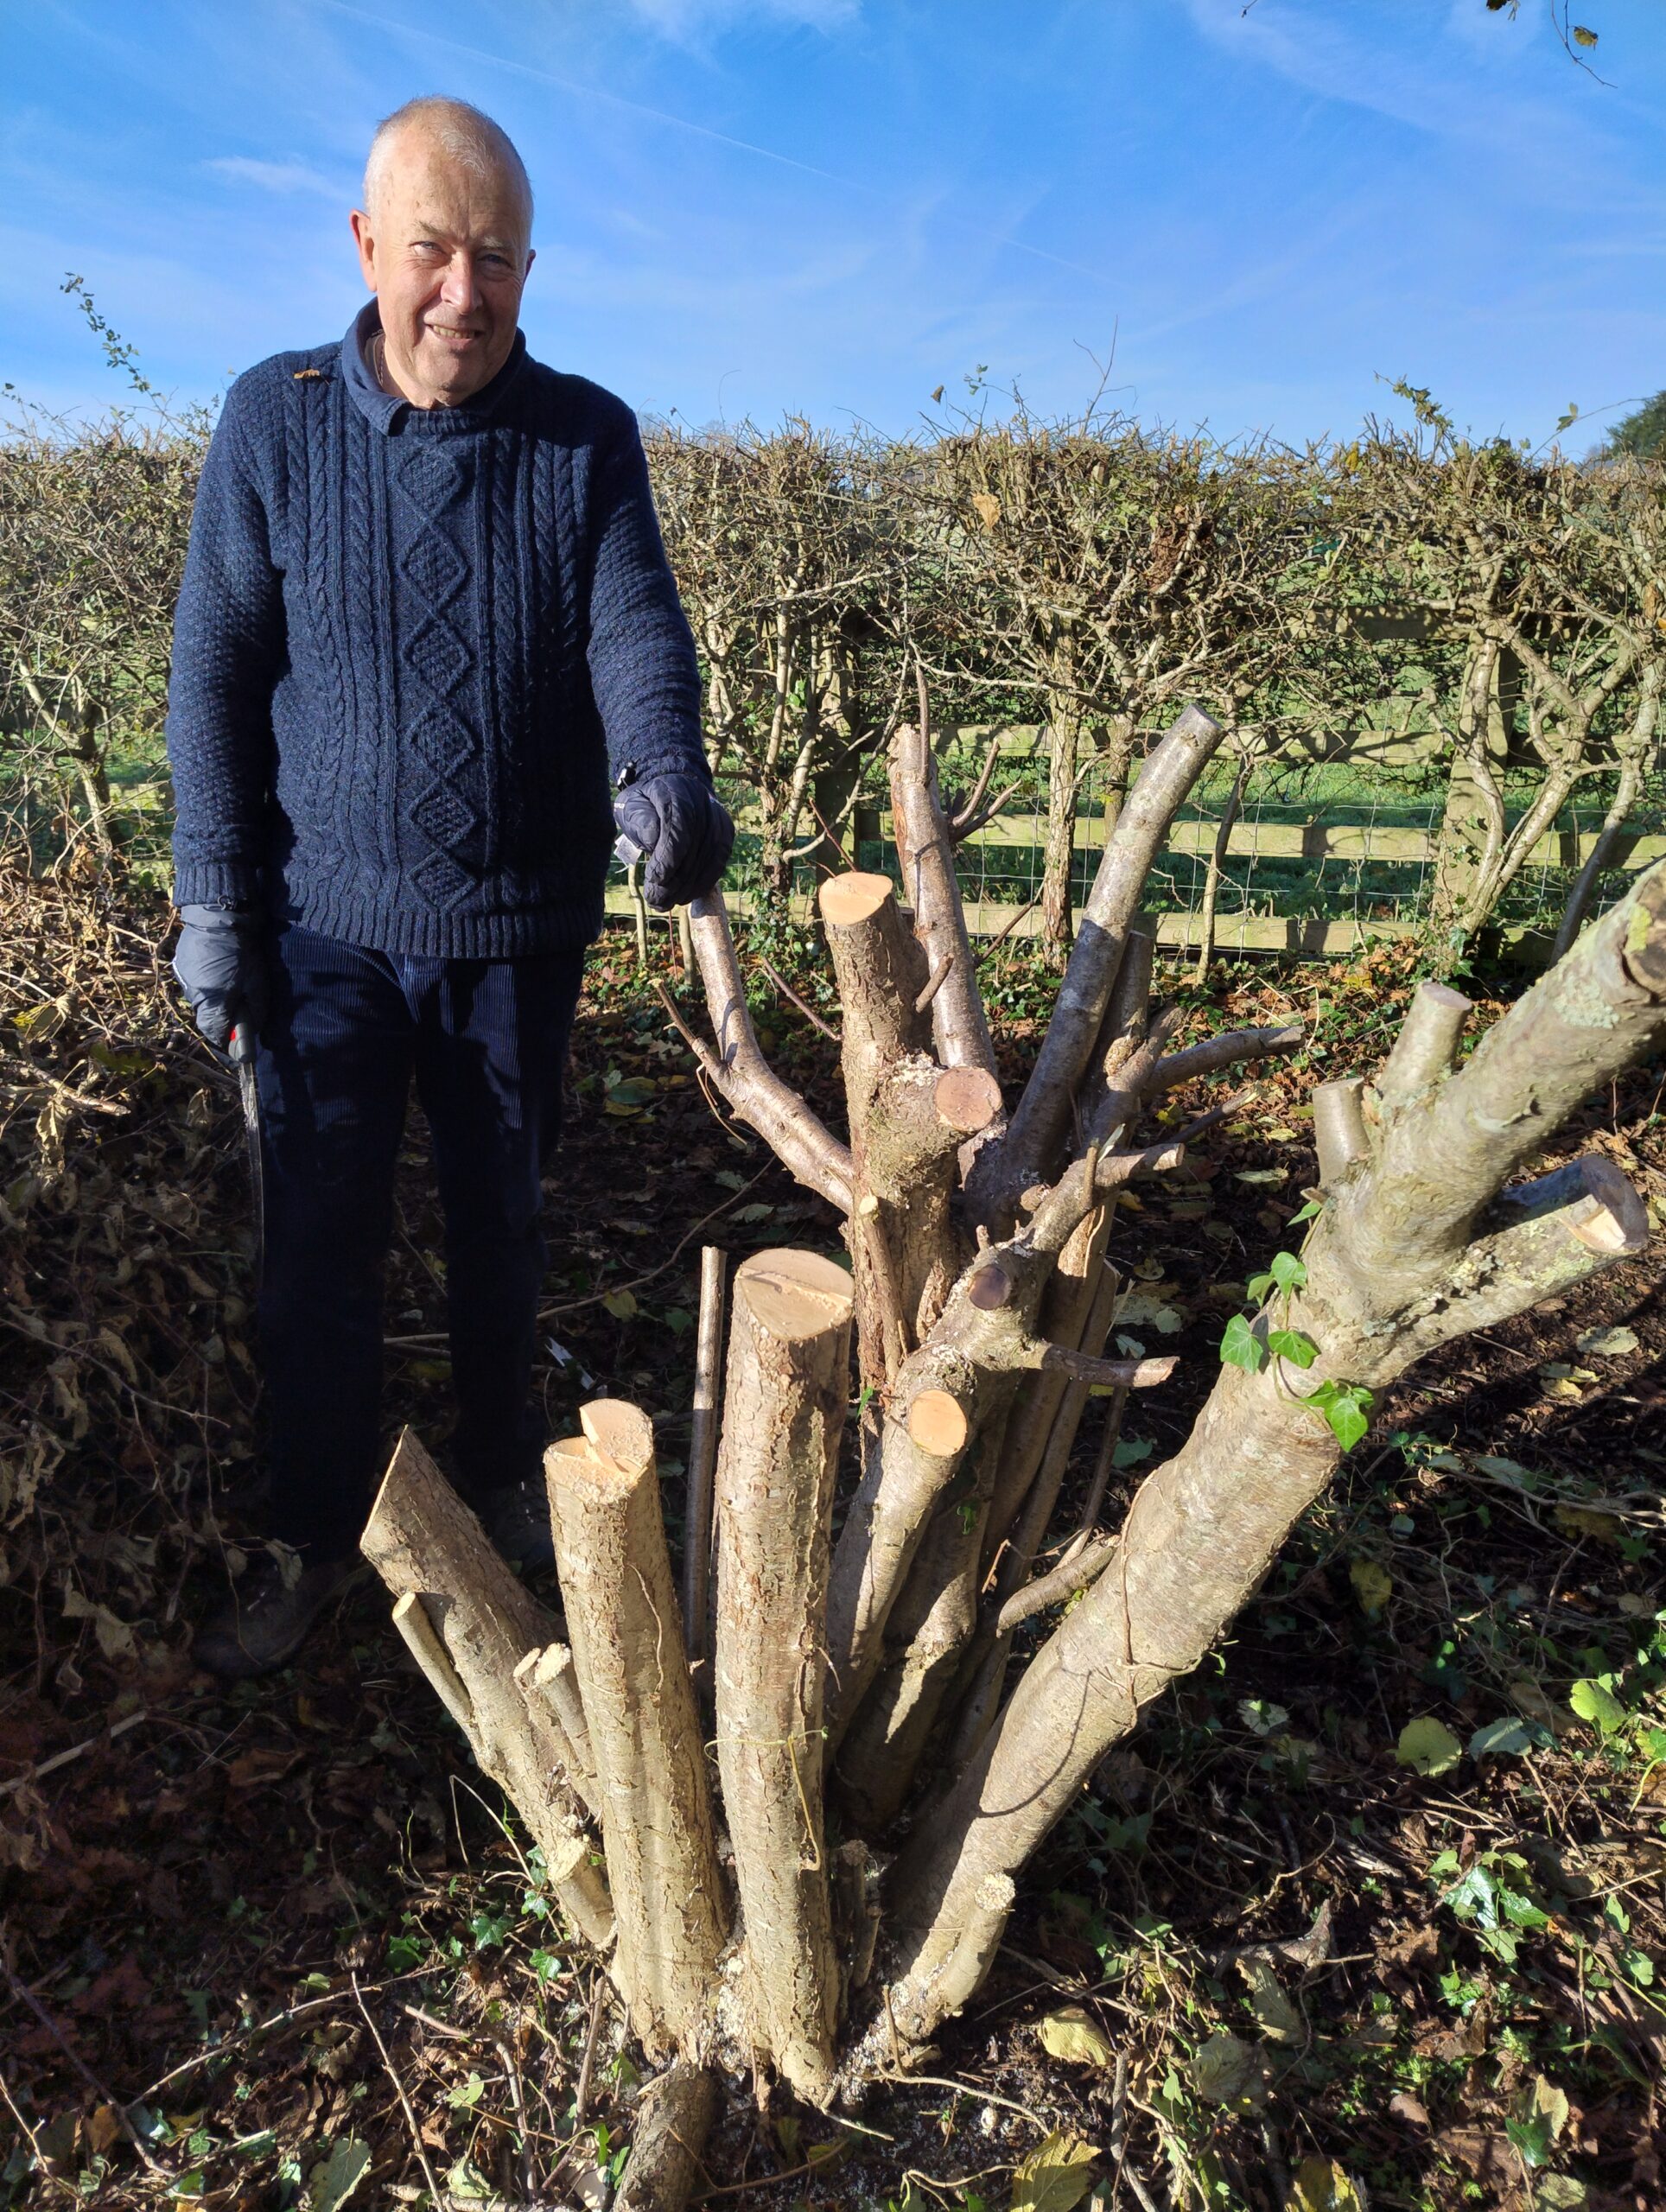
(449, 330)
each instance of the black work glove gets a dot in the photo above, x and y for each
(685, 834)
(221, 965)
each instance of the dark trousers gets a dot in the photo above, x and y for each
(486, 1041)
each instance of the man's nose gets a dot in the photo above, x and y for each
(459, 291)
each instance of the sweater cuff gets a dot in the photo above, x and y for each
(217, 883)
(643, 763)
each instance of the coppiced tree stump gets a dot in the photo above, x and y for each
(858, 1680)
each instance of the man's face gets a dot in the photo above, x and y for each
(445, 252)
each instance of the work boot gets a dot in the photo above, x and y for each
(265, 1621)
(516, 1518)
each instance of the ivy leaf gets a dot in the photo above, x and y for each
(1291, 1345)
(1241, 1347)
(1288, 1271)
(1346, 1409)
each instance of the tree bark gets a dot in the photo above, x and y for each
(1030, 1151)
(673, 2118)
(628, 1645)
(788, 1380)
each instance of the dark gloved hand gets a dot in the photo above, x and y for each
(221, 965)
(685, 834)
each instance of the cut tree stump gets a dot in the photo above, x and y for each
(979, 1299)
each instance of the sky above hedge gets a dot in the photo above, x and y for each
(1242, 216)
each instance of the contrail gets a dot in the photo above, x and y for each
(695, 130)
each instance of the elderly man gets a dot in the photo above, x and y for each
(427, 645)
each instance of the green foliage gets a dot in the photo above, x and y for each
(1641, 432)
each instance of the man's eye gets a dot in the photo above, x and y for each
(427, 249)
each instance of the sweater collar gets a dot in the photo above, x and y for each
(385, 412)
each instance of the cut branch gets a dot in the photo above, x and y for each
(788, 1382)
(470, 1624)
(925, 854)
(628, 1645)
(1040, 1123)
(750, 1087)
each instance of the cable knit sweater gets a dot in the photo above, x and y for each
(413, 649)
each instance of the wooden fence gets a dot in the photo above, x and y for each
(1336, 803)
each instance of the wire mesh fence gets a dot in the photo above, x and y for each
(1324, 852)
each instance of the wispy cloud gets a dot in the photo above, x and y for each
(275, 177)
(686, 20)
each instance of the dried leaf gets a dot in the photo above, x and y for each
(1608, 1343)
(1276, 2016)
(1228, 2070)
(1428, 1746)
(335, 2177)
(1077, 2037)
(987, 507)
(1057, 2175)
(116, 1640)
(1587, 1521)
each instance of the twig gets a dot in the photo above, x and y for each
(968, 2090)
(702, 1457)
(517, 2097)
(805, 1009)
(260, 2028)
(1006, 929)
(576, 1304)
(27, 1997)
(1118, 2127)
(75, 1751)
(399, 2091)
(580, 2094)
(936, 984)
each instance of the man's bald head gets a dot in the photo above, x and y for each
(444, 241)
(462, 134)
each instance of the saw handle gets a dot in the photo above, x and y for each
(240, 1045)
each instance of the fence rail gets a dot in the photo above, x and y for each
(1247, 919)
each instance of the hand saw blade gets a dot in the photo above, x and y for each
(242, 1051)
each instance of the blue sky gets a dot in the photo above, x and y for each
(752, 207)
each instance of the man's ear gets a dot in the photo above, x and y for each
(364, 239)
(532, 256)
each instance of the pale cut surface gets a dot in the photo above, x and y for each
(967, 1098)
(794, 1295)
(937, 1423)
(621, 1432)
(853, 897)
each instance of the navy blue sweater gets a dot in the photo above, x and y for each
(413, 650)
